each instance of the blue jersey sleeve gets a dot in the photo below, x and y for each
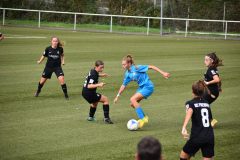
(142, 68)
(126, 80)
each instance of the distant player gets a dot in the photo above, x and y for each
(1, 36)
(212, 79)
(55, 60)
(139, 74)
(202, 136)
(91, 96)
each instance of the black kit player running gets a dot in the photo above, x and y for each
(91, 96)
(211, 77)
(202, 135)
(55, 58)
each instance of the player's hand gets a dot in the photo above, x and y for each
(166, 75)
(185, 134)
(101, 84)
(115, 100)
(38, 62)
(104, 75)
(207, 83)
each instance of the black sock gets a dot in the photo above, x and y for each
(106, 110)
(92, 111)
(39, 87)
(64, 88)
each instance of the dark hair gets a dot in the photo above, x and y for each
(216, 61)
(60, 44)
(199, 88)
(149, 148)
(99, 63)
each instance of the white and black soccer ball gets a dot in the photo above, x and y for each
(132, 125)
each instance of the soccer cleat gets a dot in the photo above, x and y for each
(91, 119)
(140, 123)
(107, 121)
(145, 119)
(213, 122)
(66, 96)
(36, 94)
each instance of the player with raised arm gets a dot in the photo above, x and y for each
(139, 74)
(55, 60)
(91, 96)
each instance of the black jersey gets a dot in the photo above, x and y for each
(54, 56)
(92, 78)
(201, 119)
(208, 76)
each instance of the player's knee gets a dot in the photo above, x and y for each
(105, 100)
(132, 100)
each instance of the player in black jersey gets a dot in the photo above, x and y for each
(55, 56)
(212, 79)
(91, 96)
(202, 136)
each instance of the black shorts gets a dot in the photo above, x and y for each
(210, 98)
(91, 97)
(207, 148)
(47, 73)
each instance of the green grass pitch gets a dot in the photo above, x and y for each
(49, 127)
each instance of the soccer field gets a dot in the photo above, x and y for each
(49, 127)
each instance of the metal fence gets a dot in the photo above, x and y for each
(74, 19)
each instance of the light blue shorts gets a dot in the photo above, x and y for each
(146, 90)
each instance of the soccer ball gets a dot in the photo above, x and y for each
(132, 125)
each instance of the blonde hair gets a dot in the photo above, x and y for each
(60, 43)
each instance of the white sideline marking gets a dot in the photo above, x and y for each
(27, 37)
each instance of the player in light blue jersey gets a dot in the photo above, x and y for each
(139, 74)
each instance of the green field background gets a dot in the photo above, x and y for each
(49, 127)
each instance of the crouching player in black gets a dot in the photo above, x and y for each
(91, 96)
(202, 136)
(55, 56)
(212, 79)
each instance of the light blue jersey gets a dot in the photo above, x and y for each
(139, 74)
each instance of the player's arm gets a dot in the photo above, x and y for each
(164, 74)
(188, 116)
(62, 59)
(119, 93)
(216, 79)
(103, 75)
(41, 59)
(92, 86)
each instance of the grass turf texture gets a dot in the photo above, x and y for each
(49, 127)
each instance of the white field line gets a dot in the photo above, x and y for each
(26, 37)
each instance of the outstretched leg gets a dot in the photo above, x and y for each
(135, 99)
(40, 85)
